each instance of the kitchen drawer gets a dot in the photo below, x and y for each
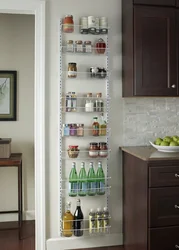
(164, 238)
(164, 207)
(164, 176)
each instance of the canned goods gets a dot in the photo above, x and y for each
(84, 25)
(92, 24)
(103, 23)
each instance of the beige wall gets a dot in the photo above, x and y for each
(17, 53)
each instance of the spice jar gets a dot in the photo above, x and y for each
(66, 130)
(80, 129)
(87, 47)
(98, 104)
(84, 25)
(103, 149)
(100, 46)
(72, 70)
(93, 150)
(89, 106)
(79, 46)
(92, 24)
(73, 130)
(103, 23)
(69, 46)
(68, 24)
(97, 26)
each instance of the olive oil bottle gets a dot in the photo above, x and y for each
(68, 221)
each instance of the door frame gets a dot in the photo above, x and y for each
(36, 8)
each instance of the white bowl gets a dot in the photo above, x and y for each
(167, 149)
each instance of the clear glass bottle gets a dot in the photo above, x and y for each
(74, 102)
(102, 126)
(82, 183)
(68, 221)
(99, 104)
(106, 220)
(89, 106)
(91, 181)
(99, 220)
(92, 222)
(73, 181)
(100, 180)
(95, 126)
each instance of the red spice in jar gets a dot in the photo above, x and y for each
(100, 46)
(93, 150)
(68, 24)
(103, 149)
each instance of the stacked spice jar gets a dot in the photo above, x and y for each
(98, 149)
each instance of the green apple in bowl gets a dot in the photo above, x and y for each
(158, 141)
(164, 143)
(167, 139)
(175, 138)
(173, 143)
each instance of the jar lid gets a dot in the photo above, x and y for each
(70, 41)
(79, 42)
(69, 16)
(93, 143)
(99, 94)
(102, 143)
(89, 95)
(87, 42)
(72, 63)
(100, 40)
(81, 125)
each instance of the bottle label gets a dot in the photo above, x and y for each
(92, 187)
(92, 224)
(99, 222)
(101, 186)
(73, 188)
(84, 187)
(106, 222)
(72, 73)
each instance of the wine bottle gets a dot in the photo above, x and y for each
(68, 221)
(78, 220)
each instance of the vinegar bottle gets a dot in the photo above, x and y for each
(68, 221)
(78, 220)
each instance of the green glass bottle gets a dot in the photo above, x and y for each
(82, 184)
(91, 181)
(73, 181)
(100, 180)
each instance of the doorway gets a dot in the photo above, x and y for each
(36, 8)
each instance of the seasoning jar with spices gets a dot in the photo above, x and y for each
(103, 23)
(103, 149)
(89, 106)
(80, 129)
(98, 104)
(69, 46)
(87, 47)
(100, 46)
(73, 129)
(72, 70)
(79, 46)
(93, 150)
(68, 24)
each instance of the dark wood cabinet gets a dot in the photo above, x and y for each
(177, 3)
(156, 2)
(150, 49)
(155, 52)
(151, 203)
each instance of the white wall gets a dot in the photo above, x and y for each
(17, 53)
(55, 11)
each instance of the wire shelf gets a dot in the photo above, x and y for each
(77, 29)
(78, 193)
(83, 53)
(84, 74)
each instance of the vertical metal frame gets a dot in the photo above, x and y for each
(60, 83)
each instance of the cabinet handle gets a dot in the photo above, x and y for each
(176, 206)
(173, 86)
(177, 175)
(176, 246)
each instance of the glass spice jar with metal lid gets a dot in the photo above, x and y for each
(80, 129)
(93, 149)
(69, 46)
(68, 24)
(103, 149)
(79, 46)
(87, 47)
(72, 70)
(73, 129)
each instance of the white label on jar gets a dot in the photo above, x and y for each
(103, 153)
(89, 107)
(69, 47)
(97, 22)
(79, 48)
(88, 48)
(91, 22)
(72, 73)
(93, 153)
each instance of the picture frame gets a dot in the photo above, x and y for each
(8, 95)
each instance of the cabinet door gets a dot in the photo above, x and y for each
(156, 2)
(164, 207)
(155, 52)
(177, 3)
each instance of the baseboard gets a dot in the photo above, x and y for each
(27, 215)
(85, 242)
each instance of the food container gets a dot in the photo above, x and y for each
(5, 147)
(93, 150)
(84, 25)
(103, 23)
(73, 151)
(92, 24)
(69, 46)
(72, 70)
(68, 24)
(79, 46)
(80, 129)
(73, 129)
(100, 46)
(87, 47)
(103, 149)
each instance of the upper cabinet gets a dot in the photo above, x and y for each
(156, 2)
(155, 52)
(177, 3)
(150, 50)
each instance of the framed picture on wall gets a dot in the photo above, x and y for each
(8, 92)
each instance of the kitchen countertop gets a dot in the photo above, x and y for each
(148, 153)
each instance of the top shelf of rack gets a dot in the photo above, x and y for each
(77, 29)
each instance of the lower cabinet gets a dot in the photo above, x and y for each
(151, 204)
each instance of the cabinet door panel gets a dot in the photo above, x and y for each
(164, 238)
(156, 2)
(163, 207)
(155, 52)
(177, 3)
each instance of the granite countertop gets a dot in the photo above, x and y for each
(148, 153)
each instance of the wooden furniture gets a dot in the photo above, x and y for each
(150, 47)
(15, 160)
(151, 199)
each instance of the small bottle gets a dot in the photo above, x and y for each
(82, 184)
(99, 104)
(99, 220)
(79, 46)
(91, 181)
(92, 222)
(66, 130)
(68, 221)
(69, 46)
(100, 180)
(89, 106)
(80, 129)
(102, 126)
(78, 220)
(95, 126)
(73, 102)
(73, 130)
(106, 220)
(73, 181)
(68, 102)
